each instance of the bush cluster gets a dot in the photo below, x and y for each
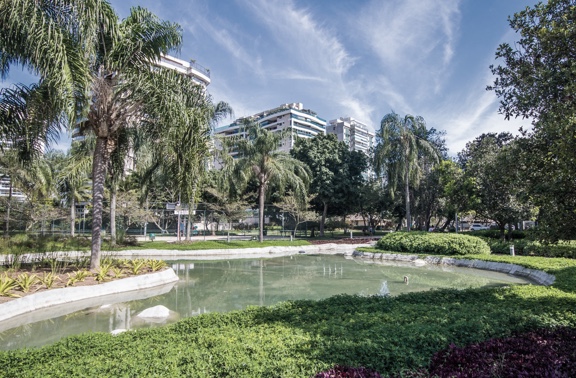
(433, 243)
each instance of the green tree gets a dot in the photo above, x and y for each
(125, 90)
(336, 173)
(457, 191)
(402, 145)
(491, 162)
(536, 81)
(259, 158)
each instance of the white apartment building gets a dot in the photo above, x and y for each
(353, 132)
(193, 70)
(303, 123)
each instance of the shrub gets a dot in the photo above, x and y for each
(348, 372)
(433, 243)
(525, 247)
(541, 353)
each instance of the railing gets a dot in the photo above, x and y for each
(203, 70)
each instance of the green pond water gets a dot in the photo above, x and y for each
(226, 285)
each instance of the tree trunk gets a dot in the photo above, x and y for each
(8, 207)
(323, 221)
(73, 218)
(99, 163)
(261, 198)
(113, 200)
(407, 189)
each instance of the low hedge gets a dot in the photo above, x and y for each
(433, 243)
(525, 247)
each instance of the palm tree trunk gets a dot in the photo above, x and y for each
(100, 161)
(8, 207)
(73, 218)
(261, 197)
(113, 200)
(407, 188)
(323, 221)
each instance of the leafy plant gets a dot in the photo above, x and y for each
(78, 276)
(137, 265)
(7, 284)
(48, 279)
(25, 281)
(101, 274)
(118, 271)
(156, 265)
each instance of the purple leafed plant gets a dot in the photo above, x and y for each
(541, 353)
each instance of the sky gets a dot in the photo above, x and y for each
(356, 58)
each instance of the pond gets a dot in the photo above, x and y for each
(226, 285)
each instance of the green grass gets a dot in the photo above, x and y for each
(215, 244)
(33, 244)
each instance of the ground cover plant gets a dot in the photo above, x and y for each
(433, 243)
(391, 336)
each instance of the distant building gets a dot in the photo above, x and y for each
(354, 133)
(5, 190)
(193, 70)
(302, 122)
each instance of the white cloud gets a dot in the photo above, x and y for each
(414, 41)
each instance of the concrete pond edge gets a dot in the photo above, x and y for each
(534, 275)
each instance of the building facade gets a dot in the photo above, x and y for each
(303, 123)
(353, 132)
(198, 74)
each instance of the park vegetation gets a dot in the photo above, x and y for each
(96, 76)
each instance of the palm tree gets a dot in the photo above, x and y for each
(126, 91)
(260, 159)
(55, 39)
(401, 145)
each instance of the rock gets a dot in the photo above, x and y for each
(118, 331)
(155, 312)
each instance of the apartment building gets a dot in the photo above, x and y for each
(198, 74)
(353, 132)
(303, 123)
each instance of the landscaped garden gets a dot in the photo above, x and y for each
(418, 335)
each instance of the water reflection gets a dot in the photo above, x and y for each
(226, 285)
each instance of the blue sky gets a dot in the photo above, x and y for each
(358, 58)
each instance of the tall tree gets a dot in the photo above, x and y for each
(402, 144)
(491, 162)
(536, 81)
(259, 158)
(126, 91)
(336, 173)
